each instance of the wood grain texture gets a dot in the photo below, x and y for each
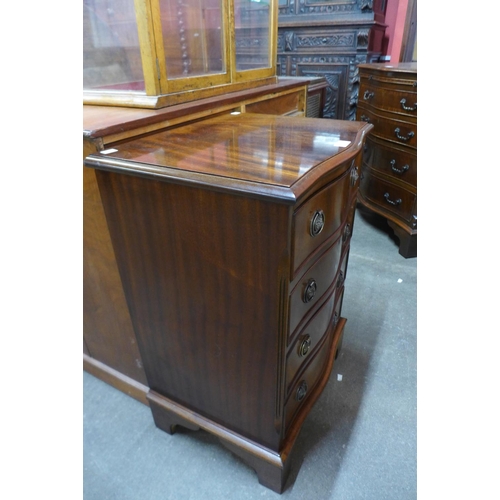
(204, 220)
(201, 272)
(99, 121)
(259, 153)
(107, 328)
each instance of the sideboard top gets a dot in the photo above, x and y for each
(265, 154)
(103, 121)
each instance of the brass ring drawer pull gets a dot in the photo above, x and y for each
(304, 345)
(402, 137)
(391, 202)
(407, 108)
(317, 223)
(309, 291)
(301, 391)
(368, 95)
(397, 170)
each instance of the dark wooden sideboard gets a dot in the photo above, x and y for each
(330, 38)
(388, 100)
(231, 235)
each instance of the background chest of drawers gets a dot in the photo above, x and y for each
(388, 100)
(232, 238)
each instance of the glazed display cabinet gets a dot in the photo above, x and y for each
(155, 53)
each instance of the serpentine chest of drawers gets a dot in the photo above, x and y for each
(388, 100)
(232, 237)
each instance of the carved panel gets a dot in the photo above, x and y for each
(290, 7)
(327, 40)
(335, 71)
(307, 47)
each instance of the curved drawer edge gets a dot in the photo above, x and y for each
(293, 427)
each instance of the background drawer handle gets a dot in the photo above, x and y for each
(402, 137)
(368, 95)
(309, 291)
(407, 108)
(301, 391)
(366, 119)
(304, 345)
(391, 202)
(397, 170)
(317, 223)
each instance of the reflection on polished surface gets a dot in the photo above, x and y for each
(259, 148)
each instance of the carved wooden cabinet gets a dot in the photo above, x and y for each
(329, 38)
(388, 100)
(232, 237)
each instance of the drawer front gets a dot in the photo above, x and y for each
(398, 131)
(390, 197)
(393, 161)
(280, 105)
(321, 216)
(311, 337)
(389, 99)
(313, 286)
(305, 383)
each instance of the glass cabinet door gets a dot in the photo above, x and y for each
(252, 19)
(111, 51)
(172, 51)
(193, 37)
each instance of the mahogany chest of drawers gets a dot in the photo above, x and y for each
(232, 238)
(388, 100)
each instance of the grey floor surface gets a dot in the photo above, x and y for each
(359, 441)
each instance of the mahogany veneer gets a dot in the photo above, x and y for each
(231, 237)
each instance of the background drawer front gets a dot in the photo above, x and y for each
(323, 273)
(307, 380)
(397, 131)
(332, 201)
(388, 196)
(408, 83)
(389, 99)
(396, 162)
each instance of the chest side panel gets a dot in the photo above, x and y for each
(205, 274)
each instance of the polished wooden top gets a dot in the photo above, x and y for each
(267, 152)
(402, 67)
